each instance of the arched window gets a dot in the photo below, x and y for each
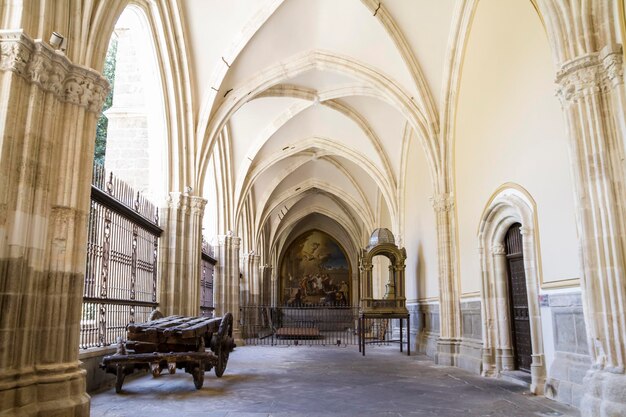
(130, 138)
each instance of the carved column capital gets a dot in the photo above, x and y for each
(590, 74)
(197, 204)
(498, 249)
(442, 202)
(178, 201)
(613, 64)
(229, 240)
(38, 64)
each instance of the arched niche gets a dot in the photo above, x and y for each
(382, 242)
(314, 270)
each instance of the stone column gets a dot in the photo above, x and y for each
(504, 350)
(449, 301)
(538, 365)
(226, 285)
(266, 284)
(181, 255)
(255, 279)
(48, 113)
(245, 269)
(591, 90)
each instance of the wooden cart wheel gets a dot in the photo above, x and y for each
(119, 378)
(198, 375)
(224, 344)
(155, 368)
(171, 367)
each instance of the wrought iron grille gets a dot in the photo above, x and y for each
(121, 273)
(206, 280)
(311, 325)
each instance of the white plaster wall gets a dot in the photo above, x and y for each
(510, 129)
(386, 122)
(420, 234)
(425, 25)
(362, 179)
(211, 26)
(251, 122)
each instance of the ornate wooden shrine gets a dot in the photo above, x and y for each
(393, 303)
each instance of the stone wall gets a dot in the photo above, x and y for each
(425, 327)
(470, 350)
(571, 358)
(90, 360)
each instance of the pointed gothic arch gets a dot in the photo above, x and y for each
(510, 204)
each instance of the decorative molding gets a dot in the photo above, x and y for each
(473, 294)
(429, 300)
(565, 283)
(443, 202)
(38, 64)
(613, 64)
(590, 74)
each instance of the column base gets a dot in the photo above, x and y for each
(238, 338)
(52, 391)
(447, 352)
(604, 394)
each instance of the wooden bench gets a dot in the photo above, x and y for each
(298, 332)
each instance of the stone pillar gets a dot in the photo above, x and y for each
(48, 113)
(591, 90)
(255, 279)
(538, 363)
(226, 285)
(504, 350)
(266, 284)
(449, 300)
(181, 255)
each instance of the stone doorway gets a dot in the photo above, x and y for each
(518, 299)
(511, 208)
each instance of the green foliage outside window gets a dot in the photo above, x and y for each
(103, 122)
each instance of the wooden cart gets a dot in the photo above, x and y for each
(174, 342)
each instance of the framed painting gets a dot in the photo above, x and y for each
(315, 271)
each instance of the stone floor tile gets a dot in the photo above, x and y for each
(325, 382)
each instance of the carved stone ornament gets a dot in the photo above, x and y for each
(197, 203)
(442, 202)
(37, 63)
(590, 74)
(498, 249)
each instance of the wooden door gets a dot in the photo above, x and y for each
(518, 299)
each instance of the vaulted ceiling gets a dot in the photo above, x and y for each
(307, 108)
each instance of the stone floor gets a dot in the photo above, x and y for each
(325, 382)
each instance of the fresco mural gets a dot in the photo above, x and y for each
(315, 270)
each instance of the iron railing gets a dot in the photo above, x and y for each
(121, 273)
(311, 325)
(206, 280)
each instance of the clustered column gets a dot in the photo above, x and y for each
(449, 301)
(180, 255)
(226, 295)
(48, 113)
(591, 90)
